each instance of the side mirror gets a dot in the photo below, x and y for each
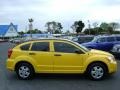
(78, 52)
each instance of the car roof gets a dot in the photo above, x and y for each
(51, 39)
(107, 36)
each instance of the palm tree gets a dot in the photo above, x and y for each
(30, 20)
(30, 26)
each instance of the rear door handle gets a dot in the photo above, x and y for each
(57, 55)
(31, 53)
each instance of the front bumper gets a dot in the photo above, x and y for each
(113, 67)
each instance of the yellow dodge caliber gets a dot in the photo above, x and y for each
(59, 56)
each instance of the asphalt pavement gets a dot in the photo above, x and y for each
(9, 80)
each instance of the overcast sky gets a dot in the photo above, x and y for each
(64, 11)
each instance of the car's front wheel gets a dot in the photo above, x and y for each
(97, 71)
(24, 71)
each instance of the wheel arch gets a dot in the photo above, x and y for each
(23, 61)
(106, 66)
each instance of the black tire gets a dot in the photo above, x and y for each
(100, 73)
(24, 71)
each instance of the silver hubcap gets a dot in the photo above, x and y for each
(97, 72)
(24, 71)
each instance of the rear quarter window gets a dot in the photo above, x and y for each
(25, 47)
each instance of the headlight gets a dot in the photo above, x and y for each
(111, 59)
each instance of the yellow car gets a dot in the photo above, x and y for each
(59, 56)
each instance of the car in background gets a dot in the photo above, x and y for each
(83, 38)
(2, 40)
(116, 51)
(19, 40)
(10, 40)
(104, 43)
(59, 56)
(15, 40)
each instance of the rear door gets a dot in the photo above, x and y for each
(41, 53)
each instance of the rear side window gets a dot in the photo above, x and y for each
(118, 38)
(25, 47)
(110, 39)
(40, 46)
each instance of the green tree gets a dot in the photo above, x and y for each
(54, 27)
(78, 26)
(114, 25)
(110, 30)
(35, 31)
(57, 32)
(59, 25)
(21, 33)
(104, 26)
(92, 31)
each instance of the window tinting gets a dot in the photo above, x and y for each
(64, 47)
(101, 40)
(40, 46)
(118, 38)
(110, 39)
(25, 47)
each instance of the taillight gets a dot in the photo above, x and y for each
(9, 53)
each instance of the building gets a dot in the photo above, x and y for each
(8, 30)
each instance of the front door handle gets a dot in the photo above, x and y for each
(57, 55)
(31, 53)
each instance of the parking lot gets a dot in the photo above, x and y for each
(9, 80)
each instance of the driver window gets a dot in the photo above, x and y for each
(64, 47)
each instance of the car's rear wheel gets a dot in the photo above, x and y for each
(97, 71)
(24, 71)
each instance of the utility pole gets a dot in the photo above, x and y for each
(89, 26)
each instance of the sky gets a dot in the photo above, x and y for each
(64, 11)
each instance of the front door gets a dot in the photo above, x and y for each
(65, 58)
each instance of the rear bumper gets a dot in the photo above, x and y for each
(10, 64)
